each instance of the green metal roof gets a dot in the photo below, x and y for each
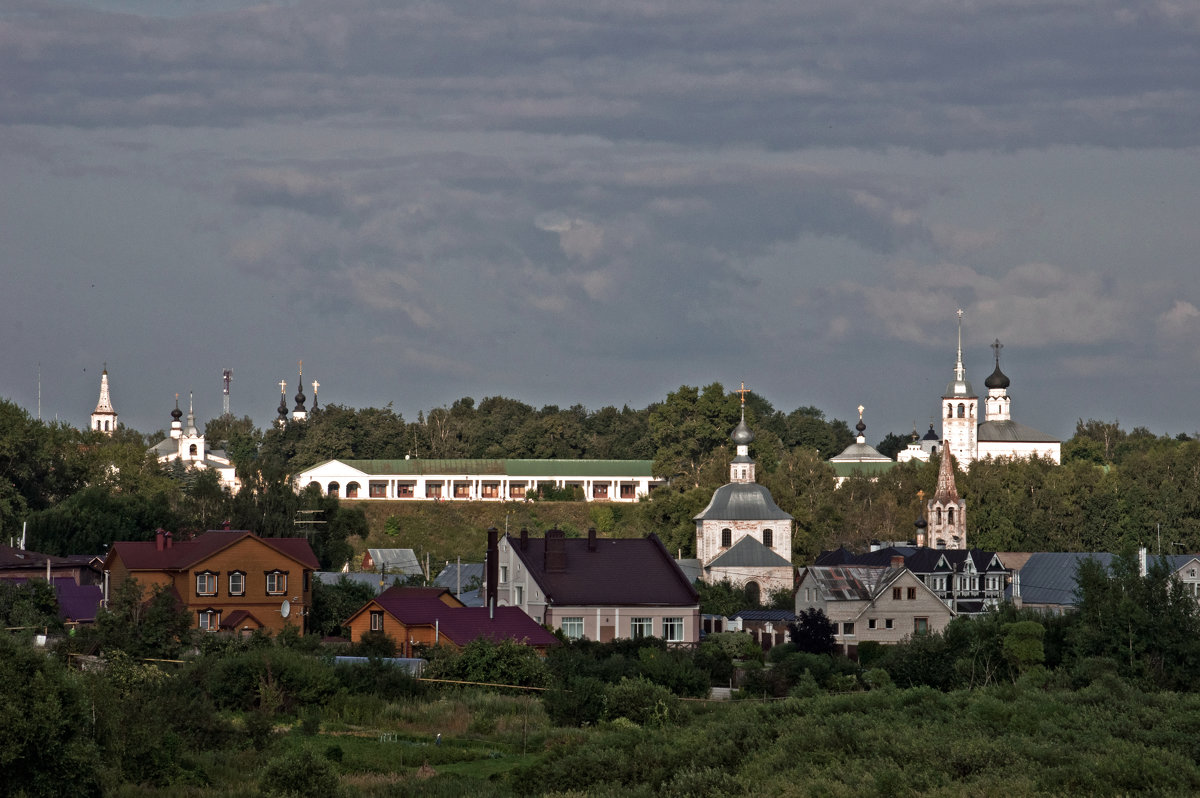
(512, 468)
(845, 469)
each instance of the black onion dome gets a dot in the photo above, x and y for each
(921, 523)
(742, 436)
(282, 406)
(997, 379)
(861, 427)
(176, 414)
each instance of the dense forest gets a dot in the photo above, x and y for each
(77, 490)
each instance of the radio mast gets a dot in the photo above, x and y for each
(226, 376)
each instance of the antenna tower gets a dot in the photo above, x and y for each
(226, 376)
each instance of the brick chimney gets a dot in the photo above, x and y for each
(168, 537)
(160, 539)
(591, 538)
(897, 561)
(492, 568)
(556, 551)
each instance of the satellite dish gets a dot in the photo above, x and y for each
(285, 609)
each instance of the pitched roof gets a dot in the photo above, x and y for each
(1011, 431)
(850, 582)
(461, 625)
(775, 616)
(742, 501)
(749, 552)
(623, 572)
(1048, 577)
(145, 556)
(456, 575)
(918, 559)
(402, 561)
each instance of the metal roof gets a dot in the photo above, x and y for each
(749, 553)
(511, 467)
(742, 501)
(1012, 431)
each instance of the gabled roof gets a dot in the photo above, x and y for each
(1048, 577)
(749, 553)
(455, 575)
(742, 501)
(75, 602)
(1011, 431)
(240, 618)
(620, 572)
(850, 582)
(461, 625)
(402, 561)
(919, 560)
(145, 556)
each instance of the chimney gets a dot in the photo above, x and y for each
(556, 551)
(159, 535)
(524, 539)
(225, 526)
(897, 561)
(492, 569)
(591, 538)
(167, 537)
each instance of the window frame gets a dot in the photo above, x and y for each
(240, 591)
(272, 578)
(376, 620)
(208, 620)
(572, 627)
(210, 578)
(641, 627)
(673, 629)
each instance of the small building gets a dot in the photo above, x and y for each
(188, 447)
(870, 603)
(418, 618)
(860, 457)
(594, 588)
(969, 581)
(401, 563)
(228, 580)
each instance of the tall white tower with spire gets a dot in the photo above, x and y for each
(104, 417)
(960, 406)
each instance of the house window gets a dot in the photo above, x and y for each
(276, 582)
(206, 584)
(572, 628)
(377, 489)
(887, 623)
(404, 490)
(376, 620)
(673, 630)
(920, 626)
(912, 593)
(462, 490)
(433, 490)
(516, 491)
(237, 583)
(334, 489)
(726, 538)
(768, 538)
(352, 490)
(600, 491)
(870, 623)
(629, 491)
(848, 629)
(641, 627)
(490, 490)
(519, 595)
(503, 574)
(895, 594)
(209, 620)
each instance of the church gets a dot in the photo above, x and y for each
(998, 435)
(742, 536)
(187, 445)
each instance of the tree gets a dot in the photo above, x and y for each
(813, 632)
(688, 428)
(144, 626)
(334, 603)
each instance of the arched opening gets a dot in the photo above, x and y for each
(334, 489)
(192, 450)
(753, 593)
(962, 410)
(726, 538)
(768, 538)
(950, 515)
(938, 515)
(314, 482)
(352, 490)
(949, 410)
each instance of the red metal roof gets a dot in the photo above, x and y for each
(461, 625)
(621, 572)
(145, 555)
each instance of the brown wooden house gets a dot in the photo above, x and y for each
(228, 580)
(417, 617)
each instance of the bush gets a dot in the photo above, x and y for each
(579, 702)
(642, 702)
(300, 774)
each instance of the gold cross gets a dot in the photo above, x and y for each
(743, 391)
(283, 386)
(920, 495)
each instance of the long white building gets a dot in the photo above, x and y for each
(479, 480)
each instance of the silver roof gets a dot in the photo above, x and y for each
(742, 501)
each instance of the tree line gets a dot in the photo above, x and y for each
(79, 490)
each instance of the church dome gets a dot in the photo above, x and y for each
(959, 388)
(742, 502)
(931, 435)
(176, 414)
(742, 436)
(997, 379)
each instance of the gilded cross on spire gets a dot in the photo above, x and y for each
(283, 386)
(860, 412)
(300, 365)
(996, 347)
(921, 496)
(742, 392)
(316, 385)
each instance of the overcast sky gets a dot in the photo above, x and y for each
(595, 202)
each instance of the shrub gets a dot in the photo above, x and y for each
(579, 702)
(642, 702)
(300, 774)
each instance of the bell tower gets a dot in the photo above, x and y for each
(960, 404)
(104, 417)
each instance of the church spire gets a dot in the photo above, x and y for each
(281, 421)
(104, 417)
(191, 425)
(947, 510)
(741, 468)
(960, 403)
(299, 413)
